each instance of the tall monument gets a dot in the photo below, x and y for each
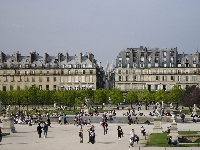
(174, 130)
(158, 119)
(8, 123)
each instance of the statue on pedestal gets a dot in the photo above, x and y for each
(158, 111)
(8, 112)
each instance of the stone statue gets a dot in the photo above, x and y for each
(8, 111)
(158, 110)
(171, 106)
(194, 111)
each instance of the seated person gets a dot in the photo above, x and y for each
(167, 130)
(143, 130)
(147, 122)
(173, 142)
(136, 138)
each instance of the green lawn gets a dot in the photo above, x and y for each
(160, 139)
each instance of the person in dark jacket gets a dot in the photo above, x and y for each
(0, 136)
(39, 130)
(45, 128)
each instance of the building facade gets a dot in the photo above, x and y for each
(154, 69)
(50, 72)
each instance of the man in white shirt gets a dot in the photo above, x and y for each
(132, 139)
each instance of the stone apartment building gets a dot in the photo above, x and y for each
(154, 69)
(50, 72)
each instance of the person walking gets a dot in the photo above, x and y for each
(65, 119)
(45, 128)
(0, 136)
(132, 137)
(39, 130)
(59, 119)
(105, 128)
(119, 132)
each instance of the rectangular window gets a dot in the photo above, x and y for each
(76, 79)
(134, 72)
(179, 78)
(127, 71)
(69, 79)
(25, 72)
(61, 79)
(40, 72)
(134, 86)
(40, 87)
(149, 78)
(156, 87)
(186, 78)
(33, 79)
(11, 87)
(54, 79)
(47, 79)
(157, 78)
(54, 87)
(83, 71)
(47, 72)
(69, 71)
(18, 78)
(26, 78)
(119, 71)
(142, 78)
(127, 87)
(134, 78)
(54, 72)
(4, 79)
(127, 78)
(91, 80)
(83, 78)
(164, 78)
(76, 71)
(4, 88)
(47, 87)
(194, 78)
(119, 86)
(11, 78)
(120, 78)
(40, 79)
(91, 71)
(172, 78)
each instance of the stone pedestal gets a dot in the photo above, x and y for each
(157, 125)
(8, 125)
(174, 131)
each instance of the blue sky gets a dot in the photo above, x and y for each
(103, 27)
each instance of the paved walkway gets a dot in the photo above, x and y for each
(66, 137)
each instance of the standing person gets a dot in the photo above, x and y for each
(92, 136)
(132, 137)
(49, 121)
(119, 132)
(39, 130)
(45, 128)
(59, 119)
(0, 136)
(105, 128)
(65, 119)
(81, 135)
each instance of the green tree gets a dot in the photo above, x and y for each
(33, 95)
(145, 96)
(160, 96)
(131, 97)
(176, 94)
(115, 96)
(101, 96)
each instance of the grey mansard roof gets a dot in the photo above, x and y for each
(34, 60)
